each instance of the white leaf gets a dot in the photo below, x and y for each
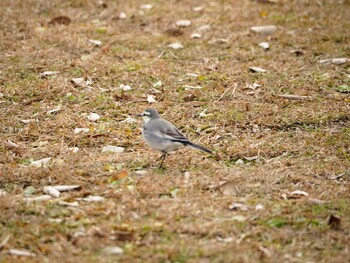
(63, 188)
(48, 73)
(192, 75)
(158, 84)
(73, 149)
(40, 163)
(224, 240)
(38, 198)
(53, 110)
(21, 253)
(122, 15)
(176, 45)
(113, 250)
(198, 8)
(203, 28)
(92, 198)
(264, 45)
(196, 35)
(112, 149)
(72, 204)
(11, 144)
(81, 82)
(203, 113)
(259, 207)
(141, 172)
(146, 6)
(264, 29)
(218, 41)
(129, 120)
(335, 61)
(299, 193)
(95, 42)
(29, 121)
(125, 87)
(93, 117)
(51, 191)
(151, 98)
(187, 87)
(2, 192)
(183, 23)
(238, 206)
(81, 130)
(257, 69)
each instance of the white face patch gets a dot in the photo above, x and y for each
(146, 118)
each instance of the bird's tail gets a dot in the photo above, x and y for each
(199, 147)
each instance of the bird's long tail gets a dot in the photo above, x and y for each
(199, 147)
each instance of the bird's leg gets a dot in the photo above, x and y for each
(162, 158)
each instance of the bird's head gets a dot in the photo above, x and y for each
(149, 114)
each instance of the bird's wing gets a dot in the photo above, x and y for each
(168, 131)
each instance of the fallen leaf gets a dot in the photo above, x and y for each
(113, 250)
(188, 87)
(122, 15)
(264, 29)
(218, 41)
(146, 6)
(120, 175)
(158, 84)
(257, 69)
(264, 45)
(259, 207)
(21, 253)
(298, 194)
(71, 204)
(141, 172)
(198, 8)
(125, 87)
(60, 20)
(151, 98)
(112, 149)
(93, 117)
(295, 97)
(51, 191)
(81, 130)
(3, 192)
(55, 110)
(38, 198)
(335, 61)
(238, 206)
(29, 121)
(183, 23)
(92, 198)
(63, 188)
(95, 42)
(196, 35)
(334, 222)
(175, 32)
(203, 28)
(176, 45)
(40, 163)
(48, 73)
(298, 53)
(228, 188)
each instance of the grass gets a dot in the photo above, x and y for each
(265, 146)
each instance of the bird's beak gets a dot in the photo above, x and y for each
(139, 115)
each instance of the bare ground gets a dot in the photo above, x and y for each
(266, 146)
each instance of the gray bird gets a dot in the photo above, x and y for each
(161, 135)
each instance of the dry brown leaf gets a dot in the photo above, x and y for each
(60, 20)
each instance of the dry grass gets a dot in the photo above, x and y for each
(169, 215)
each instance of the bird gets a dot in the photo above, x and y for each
(163, 136)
